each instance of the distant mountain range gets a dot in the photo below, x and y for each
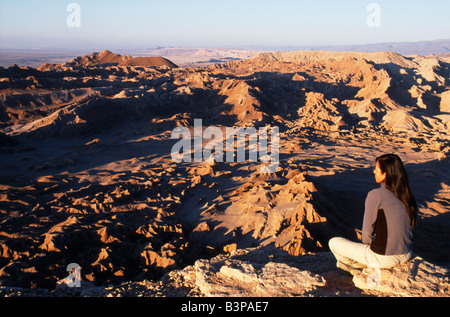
(201, 56)
(437, 47)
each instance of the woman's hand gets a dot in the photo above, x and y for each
(358, 234)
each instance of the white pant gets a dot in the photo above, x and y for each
(359, 256)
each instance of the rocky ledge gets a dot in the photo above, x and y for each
(271, 272)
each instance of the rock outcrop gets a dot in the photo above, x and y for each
(271, 272)
(107, 58)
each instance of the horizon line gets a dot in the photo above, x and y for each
(236, 47)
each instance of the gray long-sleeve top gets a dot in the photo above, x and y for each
(387, 226)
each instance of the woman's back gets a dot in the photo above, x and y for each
(387, 225)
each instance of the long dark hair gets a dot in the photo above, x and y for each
(397, 182)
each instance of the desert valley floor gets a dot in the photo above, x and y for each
(87, 175)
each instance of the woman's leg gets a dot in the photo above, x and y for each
(352, 254)
(385, 262)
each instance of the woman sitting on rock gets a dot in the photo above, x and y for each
(390, 215)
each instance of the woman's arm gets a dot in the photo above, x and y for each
(370, 217)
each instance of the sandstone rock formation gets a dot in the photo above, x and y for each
(110, 59)
(270, 272)
(87, 175)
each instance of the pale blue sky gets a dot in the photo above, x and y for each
(215, 23)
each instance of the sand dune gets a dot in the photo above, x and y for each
(87, 175)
